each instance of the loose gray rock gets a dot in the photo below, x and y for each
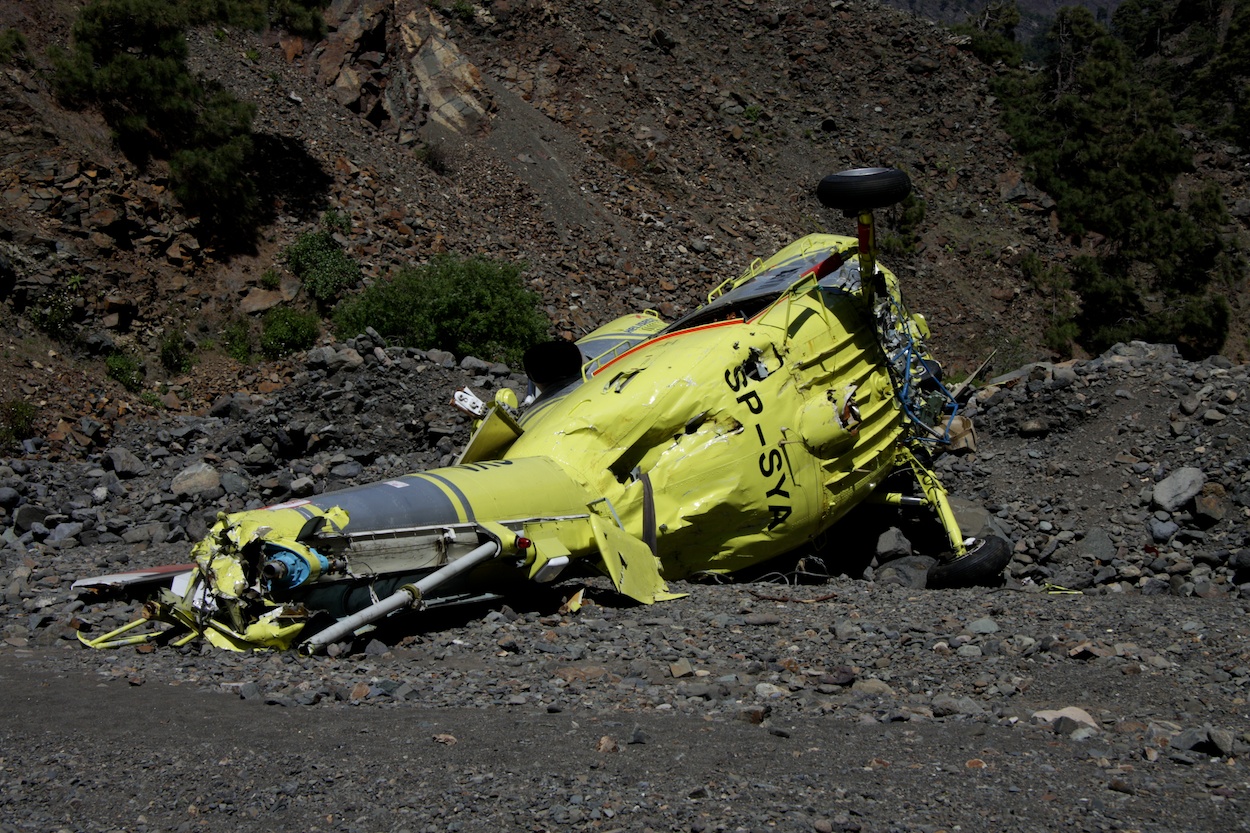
(1098, 546)
(1178, 488)
(234, 484)
(124, 463)
(27, 515)
(945, 705)
(319, 358)
(65, 532)
(344, 359)
(1162, 531)
(983, 626)
(474, 365)
(197, 479)
(347, 471)
(872, 687)
(1034, 428)
(892, 544)
(908, 571)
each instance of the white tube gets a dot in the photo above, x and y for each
(401, 598)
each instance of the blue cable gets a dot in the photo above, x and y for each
(905, 393)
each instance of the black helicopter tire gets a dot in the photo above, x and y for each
(863, 189)
(981, 566)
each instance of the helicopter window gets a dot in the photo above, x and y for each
(735, 304)
(845, 278)
(750, 298)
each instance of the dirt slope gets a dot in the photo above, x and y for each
(634, 157)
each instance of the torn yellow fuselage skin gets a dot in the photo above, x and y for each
(219, 601)
(747, 432)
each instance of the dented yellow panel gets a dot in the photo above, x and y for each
(630, 564)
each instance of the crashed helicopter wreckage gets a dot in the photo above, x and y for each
(648, 452)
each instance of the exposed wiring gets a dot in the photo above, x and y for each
(900, 346)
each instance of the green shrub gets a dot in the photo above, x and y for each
(901, 229)
(1054, 287)
(212, 176)
(1203, 252)
(12, 46)
(1115, 309)
(300, 17)
(285, 330)
(319, 261)
(129, 58)
(434, 155)
(54, 314)
(470, 306)
(126, 370)
(462, 10)
(236, 338)
(335, 221)
(993, 33)
(270, 279)
(1198, 52)
(1112, 310)
(1050, 282)
(17, 421)
(1095, 136)
(175, 353)
(1060, 337)
(1196, 324)
(1100, 136)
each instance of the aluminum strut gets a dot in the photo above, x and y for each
(406, 596)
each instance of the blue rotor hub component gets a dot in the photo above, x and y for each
(286, 570)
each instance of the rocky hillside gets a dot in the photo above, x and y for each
(632, 156)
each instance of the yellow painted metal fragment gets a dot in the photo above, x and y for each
(935, 495)
(631, 566)
(574, 604)
(545, 550)
(494, 435)
(121, 637)
(261, 635)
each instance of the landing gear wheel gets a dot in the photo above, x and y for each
(863, 189)
(981, 566)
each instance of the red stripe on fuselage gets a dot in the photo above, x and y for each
(664, 337)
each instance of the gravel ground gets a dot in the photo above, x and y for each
(881, 708)
(751, 706)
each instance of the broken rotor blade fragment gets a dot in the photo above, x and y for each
(404, 597)
(960, 390)
(133, 578)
